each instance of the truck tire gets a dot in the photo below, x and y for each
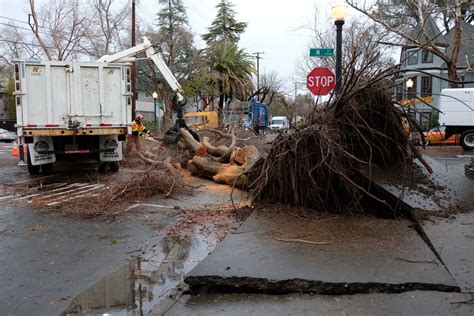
(47, 168)
(106, 167)
(466, 140)
(32, 170)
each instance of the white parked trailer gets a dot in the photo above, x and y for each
(72, 108)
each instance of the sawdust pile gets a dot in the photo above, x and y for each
(214, 221)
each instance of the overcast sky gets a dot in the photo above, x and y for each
(274, 26)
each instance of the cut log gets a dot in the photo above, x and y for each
(223, 156)
(225, 172)
(234, 174)
(215, 151)
(196, 146)
(205, 166)
(237, 157)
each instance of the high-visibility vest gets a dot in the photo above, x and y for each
(138, 128)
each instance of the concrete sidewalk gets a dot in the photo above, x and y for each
(356, 266)
(278, 253)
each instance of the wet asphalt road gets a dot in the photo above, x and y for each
(453, 158)
(47, 259)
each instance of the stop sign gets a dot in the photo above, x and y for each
(320, 81)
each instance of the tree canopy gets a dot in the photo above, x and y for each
(224, 27)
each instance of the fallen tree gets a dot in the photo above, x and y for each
(320, 164)
(224, 164)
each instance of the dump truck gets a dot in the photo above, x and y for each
(81, 110)
(72, 109)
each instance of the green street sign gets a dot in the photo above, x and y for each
(321, 52)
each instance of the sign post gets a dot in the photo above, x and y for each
(320, 81)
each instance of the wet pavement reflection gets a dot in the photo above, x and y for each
(137, 287)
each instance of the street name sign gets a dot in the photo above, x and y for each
(320, 81)
(321, 52)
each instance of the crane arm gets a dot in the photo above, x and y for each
(128, 55)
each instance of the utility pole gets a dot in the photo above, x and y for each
(293, 121)
(133, 69)
(257, 56)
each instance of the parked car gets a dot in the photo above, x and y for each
(279, 122)
(435, 136)
(7, 136)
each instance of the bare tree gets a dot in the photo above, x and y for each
(15, 44)
(411, 23)
(107, 30)
(35, 29)
(66, 24)
(362, 41)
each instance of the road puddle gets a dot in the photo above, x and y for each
(141, 285)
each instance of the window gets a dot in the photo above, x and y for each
(412, 91)
(426, 56)
(425, 120)
(426, 86)
(412, 57)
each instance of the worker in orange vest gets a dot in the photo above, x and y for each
(138, 129)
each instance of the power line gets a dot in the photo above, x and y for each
(37, 45)
(197, 12)
(19, 21)
(208, 7)
(23, 28)
(11, 19)
(23, 43)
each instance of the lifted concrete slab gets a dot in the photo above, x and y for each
(408, 303)
(445, 219)
(453, 239)
(278, 253)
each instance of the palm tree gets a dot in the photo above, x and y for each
(231, 71)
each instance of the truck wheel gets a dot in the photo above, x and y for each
(33, 170)
(106, 167)
(466, 140)
(47, 168)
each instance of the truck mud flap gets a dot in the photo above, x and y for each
(110, 148)
(38, 151)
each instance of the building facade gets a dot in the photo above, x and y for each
(420, 82)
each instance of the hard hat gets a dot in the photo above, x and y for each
(139, 116)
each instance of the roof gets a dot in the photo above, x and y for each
(426, 32)
(466, 54)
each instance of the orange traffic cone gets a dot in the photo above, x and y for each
(15, 152)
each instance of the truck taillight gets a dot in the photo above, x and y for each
(129, 100)
(18, 100)
(17, 86)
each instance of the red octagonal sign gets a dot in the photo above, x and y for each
(320, 81)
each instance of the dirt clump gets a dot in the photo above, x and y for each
(211, 221)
